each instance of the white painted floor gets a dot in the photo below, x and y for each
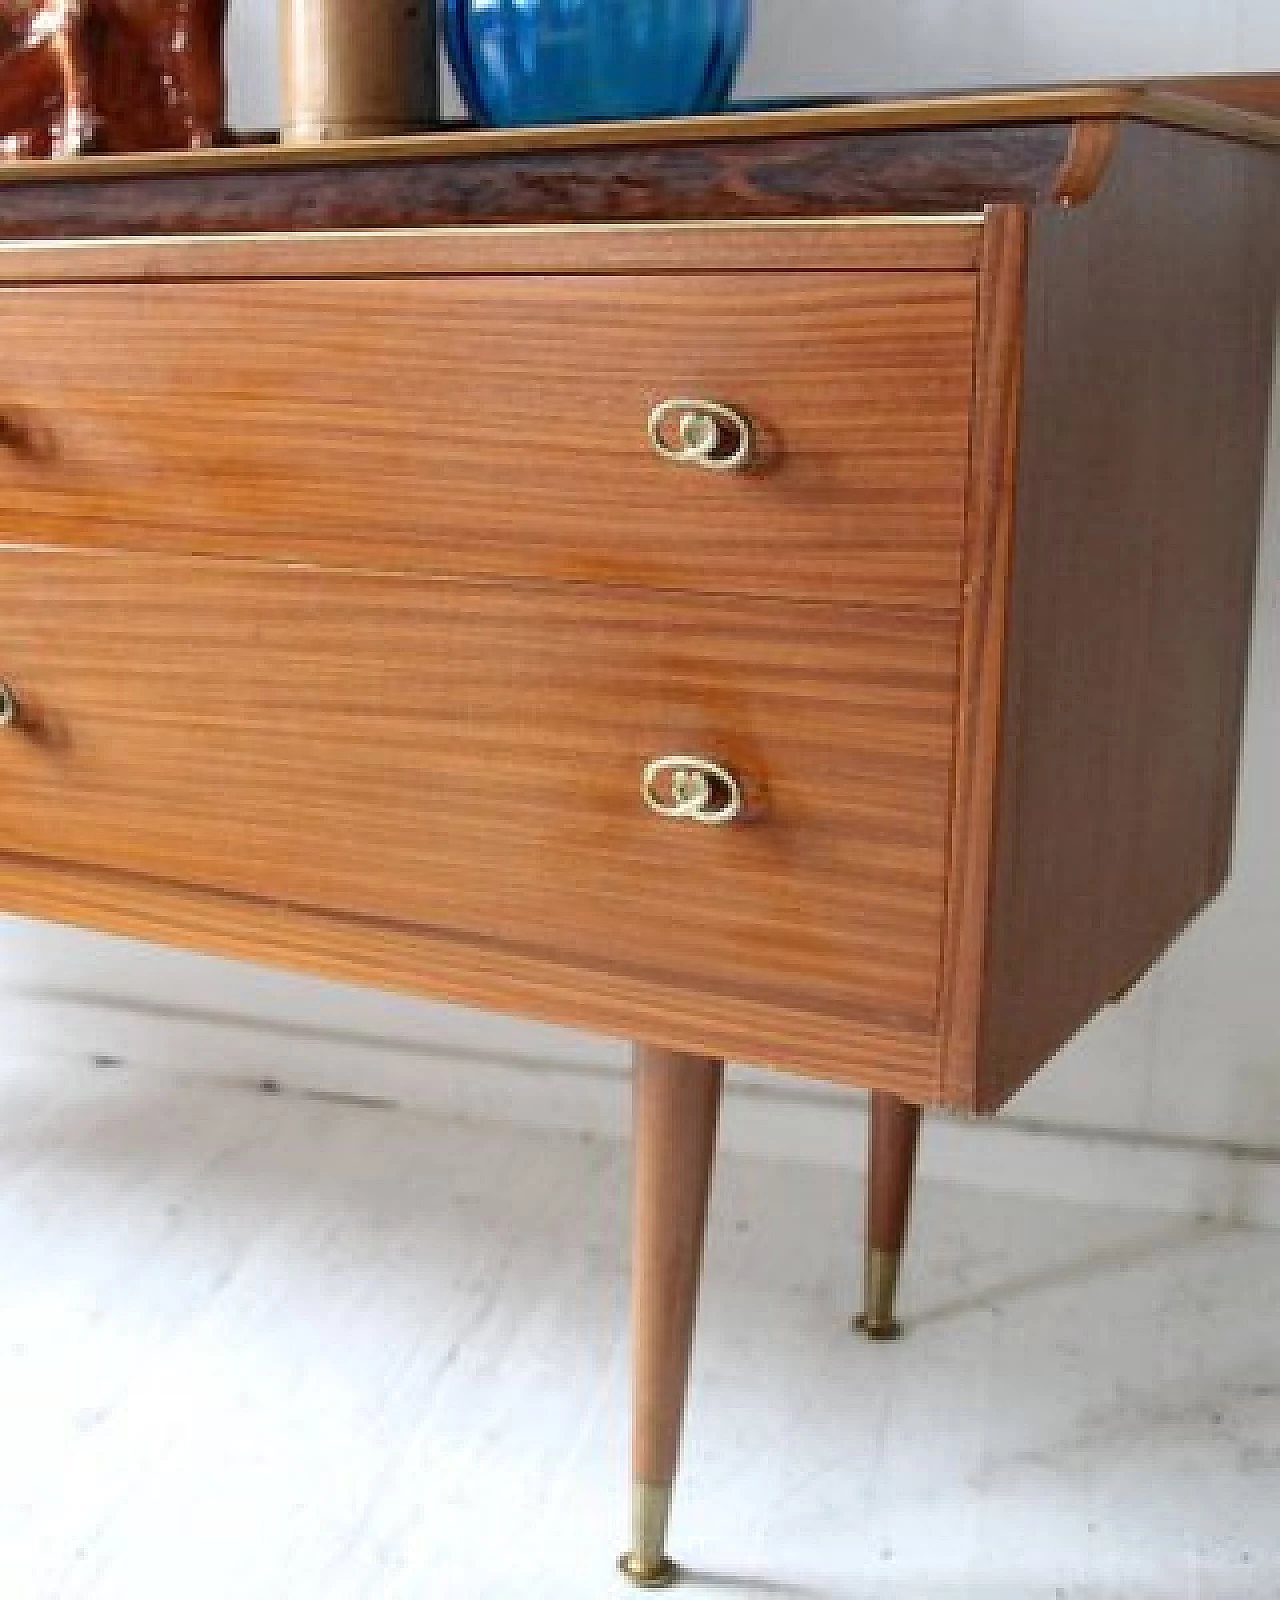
(266, 1348)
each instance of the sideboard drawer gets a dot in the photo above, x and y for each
(468, 757)
(499, 426)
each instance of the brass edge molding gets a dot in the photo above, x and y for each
(1061, 105)
(1196, 114)
(904, 242)
(728, 127)
(309, 238)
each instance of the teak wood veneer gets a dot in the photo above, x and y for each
(347, 602)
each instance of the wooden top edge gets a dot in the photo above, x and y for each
(1197, 112)
(1183, 104)
(1248, 91)
(932, 243)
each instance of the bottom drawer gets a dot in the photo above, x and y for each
(468, 758)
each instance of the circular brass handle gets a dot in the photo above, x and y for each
(10, 709)
(701, 433)
(692, 789)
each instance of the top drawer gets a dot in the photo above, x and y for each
(498, 426)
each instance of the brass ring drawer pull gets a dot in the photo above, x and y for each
(701, 433)
(10, 709)
(691, 789)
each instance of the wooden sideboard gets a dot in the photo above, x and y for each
(773, 586)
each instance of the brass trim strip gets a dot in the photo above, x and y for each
(1116, 101)
(1170, 109)
(301, 238)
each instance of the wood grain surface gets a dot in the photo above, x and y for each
(940, 152)
(1151, 325)
(893, 1146)
(442, 966)
(800, 176)
(978, 652)
(677, 1107)
(468, 758)
(989, 562)
(497, 427)
(919, 243)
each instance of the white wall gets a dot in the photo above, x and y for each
(872, 46)
(1194, 1053)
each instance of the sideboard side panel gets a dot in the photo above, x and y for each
(1150, 338)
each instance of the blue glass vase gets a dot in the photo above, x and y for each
(520, 62)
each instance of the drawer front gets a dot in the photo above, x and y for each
(468, 758)
(498, 426)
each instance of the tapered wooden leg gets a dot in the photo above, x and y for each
(677, 1106)
(891, 1166)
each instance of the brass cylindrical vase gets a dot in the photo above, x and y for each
(356, 69)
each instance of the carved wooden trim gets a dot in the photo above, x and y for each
(1088, 157)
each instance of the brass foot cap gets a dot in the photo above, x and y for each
(880, 1332)
(645, 1576)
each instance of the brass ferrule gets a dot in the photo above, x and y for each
(646, 1564)
(880, 1295)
